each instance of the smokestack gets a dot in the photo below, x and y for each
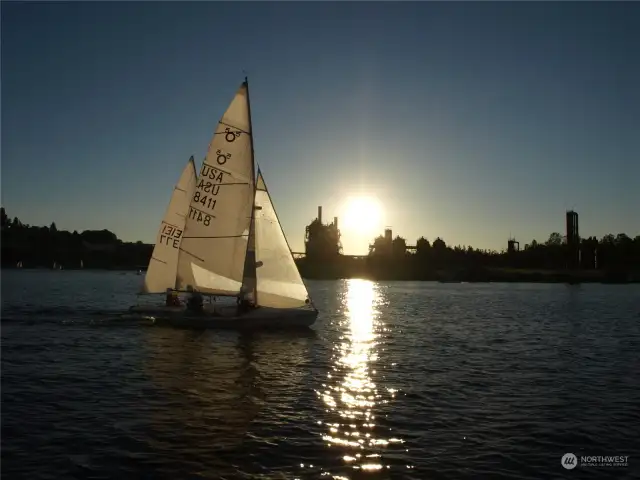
(335, 222)
(320, 213)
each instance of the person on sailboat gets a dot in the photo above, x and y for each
(172, 298)
(245, 302)
(195, 302)
(243, 305)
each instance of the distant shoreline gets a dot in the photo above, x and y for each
(476, 275)
(614, 259)
(489, 275)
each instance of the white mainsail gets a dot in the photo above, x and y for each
(279, 284)
(214, 244)
(161, 273)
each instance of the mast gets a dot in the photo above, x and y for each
(251, 239)
(253, 159)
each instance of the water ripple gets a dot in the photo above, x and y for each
(397, 380)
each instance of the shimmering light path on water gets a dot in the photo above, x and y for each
(396, 380)
(351, 394)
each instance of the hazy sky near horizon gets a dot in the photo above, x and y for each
(468, 121)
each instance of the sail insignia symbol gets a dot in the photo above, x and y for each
(569, 461)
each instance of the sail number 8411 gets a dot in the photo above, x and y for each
(205, 200)
(199, 217)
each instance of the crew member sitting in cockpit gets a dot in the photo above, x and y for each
(195, 302)
(245, 302)
(172, 299)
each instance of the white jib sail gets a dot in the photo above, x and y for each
(215, 240)
(161, 273)
(279, 284)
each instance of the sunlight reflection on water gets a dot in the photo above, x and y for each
(477, 380)
(351, 395)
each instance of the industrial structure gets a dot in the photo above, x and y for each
(386, 247)
(573, 240)
(513, 245)
(384, 244)
(322, 242)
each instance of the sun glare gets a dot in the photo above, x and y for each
(362, 215)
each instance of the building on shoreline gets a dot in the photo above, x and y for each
(322, 242)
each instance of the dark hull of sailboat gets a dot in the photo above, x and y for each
(225, 318)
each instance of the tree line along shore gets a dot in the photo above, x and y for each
(611, 259)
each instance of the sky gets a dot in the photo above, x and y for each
(467, 121)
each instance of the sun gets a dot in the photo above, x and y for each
(362, 215)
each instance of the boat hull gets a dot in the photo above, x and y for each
(225, 318)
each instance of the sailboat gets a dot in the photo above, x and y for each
(226, 239)
(161, 271)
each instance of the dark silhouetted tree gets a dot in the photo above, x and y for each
(379, 246)
(422, 246)
(555, 239)
(4, 220)
(399, 246)
(439, 245)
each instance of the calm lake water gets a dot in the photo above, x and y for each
(396, 380)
